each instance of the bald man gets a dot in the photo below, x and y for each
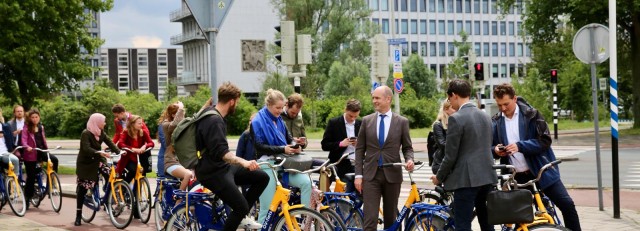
(380, 138)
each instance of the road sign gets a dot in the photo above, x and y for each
(397, 41)
(397, 71)
(396, 55)
(374, 85)
(591, 44)
(398, 85)
(603, 84)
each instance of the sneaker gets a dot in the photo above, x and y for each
(248, 223)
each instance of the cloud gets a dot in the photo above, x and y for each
(146, 42)
(139, 24)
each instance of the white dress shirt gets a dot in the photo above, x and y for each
(351, 132)
(387, 121)
(512, 127)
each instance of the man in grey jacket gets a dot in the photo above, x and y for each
(467, 165)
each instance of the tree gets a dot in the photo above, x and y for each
(278, 82)
(344, 72)
(335, 27)
(172, 90)
(44, 46)
(535, 91)
(543, 17)
(456, 69)
(419, 77)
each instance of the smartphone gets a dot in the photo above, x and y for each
(295, 146)
(352, 138)
(501, 148)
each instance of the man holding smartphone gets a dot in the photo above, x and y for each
(340, 138)
(293, 119)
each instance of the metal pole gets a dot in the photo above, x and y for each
(594, 97)
(613, 101)
(396, 96)
(212, 67)
(555, 111)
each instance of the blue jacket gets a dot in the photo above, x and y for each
(8, 136)
(245, 148)
(535, 142)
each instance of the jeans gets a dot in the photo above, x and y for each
(225, 186)
(160, 162)
(13, 159)
(301, 181)
(464, 201)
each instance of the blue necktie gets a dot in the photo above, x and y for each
(381, 137)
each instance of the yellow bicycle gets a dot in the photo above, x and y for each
(11, 190)
(48, 182)
(142, 191)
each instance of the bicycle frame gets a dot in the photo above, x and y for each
(164, 194)
(11, 173)
(49, 169)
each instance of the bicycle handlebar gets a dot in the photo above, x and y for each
(271, 165)
(47, 150)
(417, 165)
(112, 154)
(129, 150)
(308, 171)
(339, 160)
(16, 149)
(530, 182)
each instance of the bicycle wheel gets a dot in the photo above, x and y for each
(144, 200)
(159, 208)
(349, 215)
(179, 221)
(15, 196)
(120, 208)
(334, 219)
(431, 198)
(90, 206)
(430, 223)
(547, 227)
(306, 219)
(55, 192)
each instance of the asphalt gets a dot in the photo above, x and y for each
(586, 199)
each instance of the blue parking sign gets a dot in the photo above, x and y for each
(396, 55)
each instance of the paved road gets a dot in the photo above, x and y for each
(583, 173)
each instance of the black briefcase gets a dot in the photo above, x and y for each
(510, 207)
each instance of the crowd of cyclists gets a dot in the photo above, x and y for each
(271, 131)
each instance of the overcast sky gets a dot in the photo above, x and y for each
(139, 24)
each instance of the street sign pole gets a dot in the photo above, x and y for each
(613, 99)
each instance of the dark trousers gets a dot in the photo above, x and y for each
(465, 199)
(146, 162)
(30, 169)
(54, 159)
(225, 185)
(558, 194)
(372, 191)
(130, 171)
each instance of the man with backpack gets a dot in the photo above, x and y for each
(222, 171)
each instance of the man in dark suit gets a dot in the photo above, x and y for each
(381, 135)
(467, 165)
(339, 138)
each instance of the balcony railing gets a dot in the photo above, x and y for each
(189, 78)
(182, 38)
(179, 14)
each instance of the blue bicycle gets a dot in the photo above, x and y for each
(10, 190)
(164, 200)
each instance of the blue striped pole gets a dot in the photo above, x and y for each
(613, 98)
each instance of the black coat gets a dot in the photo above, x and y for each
(335, 132)
(441, 140)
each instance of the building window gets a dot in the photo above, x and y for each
(528, 50)
(467, 6)
(512, 49)
(397, 27)
(405, 26)
(494, 70)
(458, 6)
(485, 49)
(432, 26)
(450, 28)
(459, 27)
(432, 49)
(503, 49)
(376, 22)
(395, 5)
(443, 69)
(441, 29)
(503, 28)
(385, 26)
(476, 27)
(485, 6)
(494, 28)
(511, 29)
(414, 48)
(477, 48)
(423, 5)
(440, 5)
(403, 5)
(519, 28)
(432, 5)
(449, 6)
(519, 52)
(442, 49)
(467, 27)
(485, 27)
(373, 4)
(405, 49)
(423, 26)
(434, 68)
(423, 48)
(494, 7)
(414, 26)
(512, 70)
(503, 70)
(476, 6)
(384, 5)
(452, 49)
(413, 6)
(494, 49)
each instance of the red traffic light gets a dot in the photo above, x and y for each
(478, 66)
(554, 73)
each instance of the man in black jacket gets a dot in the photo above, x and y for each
(222, 171)
(339, 138)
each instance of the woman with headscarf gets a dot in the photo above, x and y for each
(90, 161)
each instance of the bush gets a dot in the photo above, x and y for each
(421, 112)
(239, 121)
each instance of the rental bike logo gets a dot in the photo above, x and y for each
(268, 218)
(401, 215)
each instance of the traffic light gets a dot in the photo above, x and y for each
(479, 68)
(286, 43)
(465, 66)
(554, 76)
(380, 58)
(304, 49)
